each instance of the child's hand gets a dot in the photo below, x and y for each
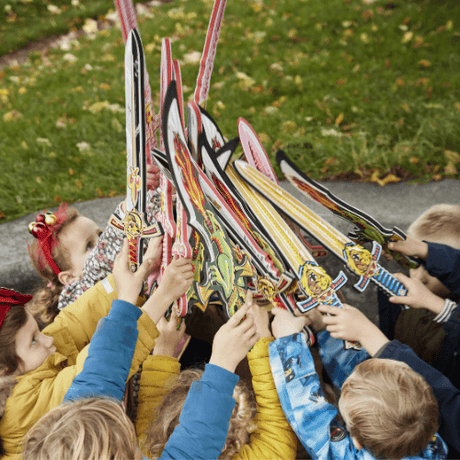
(316, 318)
(418, 295)
(410, 247)
(153, 177)
(169, 336)
(234, 339)
(348, 323)
(176, 280)
(285, 323)
(127, 283)
(260, 316)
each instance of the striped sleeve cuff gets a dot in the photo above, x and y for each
(444, 316)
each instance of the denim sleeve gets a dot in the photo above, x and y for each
(338, 362)
(311, 417)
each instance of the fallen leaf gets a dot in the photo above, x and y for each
(405, 107)
(391, 178)
(452, 157)
(339, 119)
(450, 169)
(424, 63)
(13, 115)
(71, 172)
(2, 216)
(400, 81)
(407, 37)
(414, 160)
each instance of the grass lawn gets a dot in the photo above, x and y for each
(372, 86)
(23, 21)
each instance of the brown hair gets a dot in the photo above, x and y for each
(439, 224)
(14, 320)
(85, 429)
(389, 408)
(166, 417)
(46, 298)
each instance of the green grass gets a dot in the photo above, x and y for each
(23, 21)
(338, 76)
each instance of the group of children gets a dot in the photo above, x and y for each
(63, 379)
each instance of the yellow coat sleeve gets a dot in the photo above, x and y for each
(273, 438)
(158, 374)
(74, 326)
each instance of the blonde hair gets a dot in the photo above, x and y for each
(439, 224)
(85, 429)
(45, 302)
(389, 408)
(166, 417)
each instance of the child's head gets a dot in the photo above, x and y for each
(439, 224)
(23, 347)
(85, 429)
(166, 417)
(389, 409)
(62, 242)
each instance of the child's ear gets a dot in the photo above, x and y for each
(67, 277)
(356, 443)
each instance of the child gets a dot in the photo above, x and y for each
(430, 329)
(72, 425)
(370, 402)
(350, 324)
(72, 253)
(266, 435)
(42, 371)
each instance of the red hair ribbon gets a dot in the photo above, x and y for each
(8, 298)
(44, 229)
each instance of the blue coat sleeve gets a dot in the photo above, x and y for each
(338, 362)
(443, 262)
(446, 394)
(110, 354)
(205, 417)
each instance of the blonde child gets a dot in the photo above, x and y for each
(71, 253)
(431, 327)
(42, 365)
(258, 429)
(92, 429)
(390, 411)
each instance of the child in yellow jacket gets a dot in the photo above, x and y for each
(39, 367)
(258, 429)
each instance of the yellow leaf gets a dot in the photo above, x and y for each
(4, 92)
(288, 127)
(405, 107)
(389, 179)
(375, 177)
(71, 172)
(339, 119)
(436, 177)
(400, 81)
(449, 25)
(330, 161)
(414, 160)
(264, 138)
(13, 115)
(407, 37)
(22, 90)
(452, 157)
(104, 86)
(24, 145)
(424, 63)
(2, 216)
(108, 58)
(450, 169)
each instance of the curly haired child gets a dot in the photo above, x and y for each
(257, 427)
(42, 365)
(72, 253)
(389, 410)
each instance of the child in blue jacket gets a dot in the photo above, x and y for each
(105, 373)
(374, 396)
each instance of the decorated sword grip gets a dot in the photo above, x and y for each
(135, 229)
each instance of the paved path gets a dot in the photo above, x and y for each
(393, 205)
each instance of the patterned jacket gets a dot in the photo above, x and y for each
(312, 418)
